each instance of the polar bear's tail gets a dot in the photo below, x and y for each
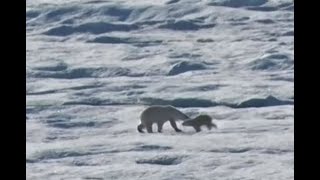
(140, 127)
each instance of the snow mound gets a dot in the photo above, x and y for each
(185, 66)
(273, 62)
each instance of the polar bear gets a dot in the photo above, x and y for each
(199, 121)
(160, 114)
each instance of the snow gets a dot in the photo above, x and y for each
(94, 65)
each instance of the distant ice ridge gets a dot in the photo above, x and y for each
(102, 17)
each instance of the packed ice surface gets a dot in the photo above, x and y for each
(94, 66)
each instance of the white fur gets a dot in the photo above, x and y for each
(160, 115)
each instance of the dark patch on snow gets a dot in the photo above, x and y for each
(57, 154)
(39, 108)
(238, 23)
(149, 22)
(110, 40)
(194, 102)
(205, 40)
(272, 39)
(284, 6)
(264, 102)
(93, 28)
(243, 165)
(184, 25)
(136, 55)
(265, 21)
(273, 62)
(289, 33)
(82, 163)
(184, 55)
(61, 90)
(96, 2)
(151, 148)
(32, 14)
(85, 87)
(262, 8)
(57, 67)
(185, 66)
(277, 78)
(139, 42)
(276, 151)
(67, 153)
(79, 124)
(58, 137)
(209, 87)
(172, 1)
(231, 150)
(237, 3)
(41, 92)
(30, 161)
(84, 73)
(93, 178)
(58, 118)
(237, 19)
(161, 160)
(67, 121)
(183, 102)
(118, 88)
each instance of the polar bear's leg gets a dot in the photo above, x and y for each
(160, 124)
(210, 125)
(149, 127)
(197, 128)
(140, 127)
(174, 125)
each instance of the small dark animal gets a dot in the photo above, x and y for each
(199, 121)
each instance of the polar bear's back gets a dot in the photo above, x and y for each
(153, 112)
(159, 113)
